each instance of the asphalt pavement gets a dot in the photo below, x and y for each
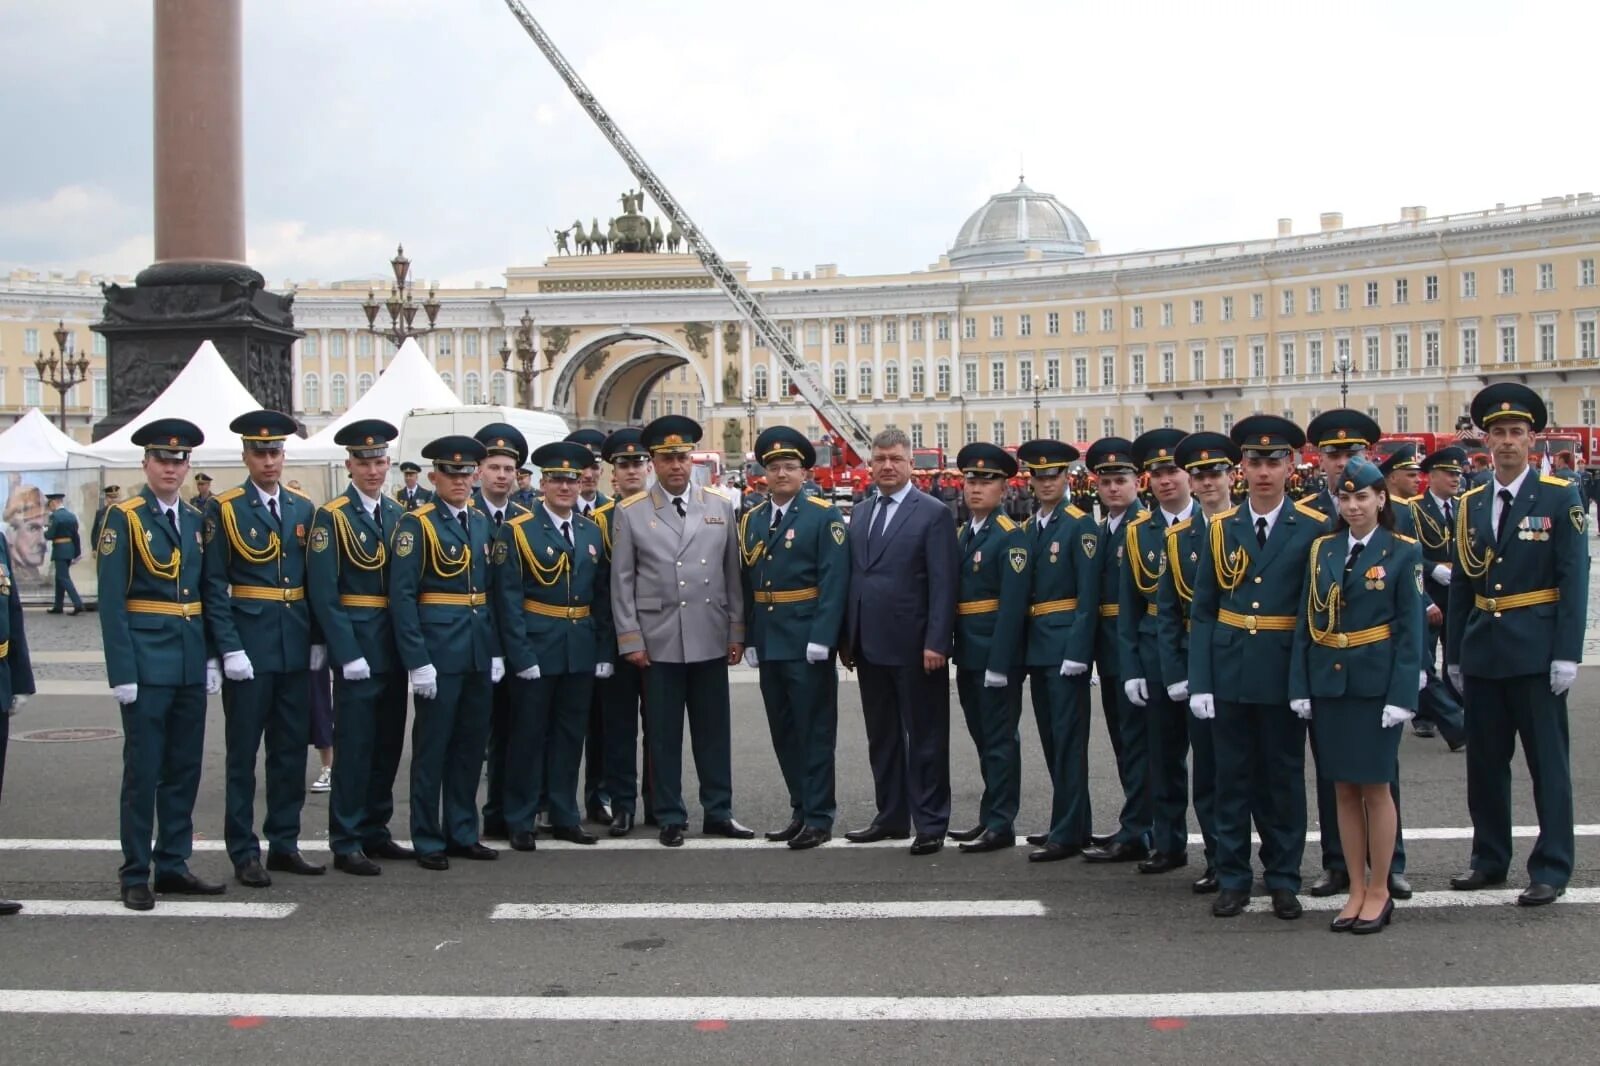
(847, 952)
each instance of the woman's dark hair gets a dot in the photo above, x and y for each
(1385, 513)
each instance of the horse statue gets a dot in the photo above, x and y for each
(580, 238)
(597, 240)
(613, 236)
(656, 237)
(674, 237)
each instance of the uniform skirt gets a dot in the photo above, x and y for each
(1352, 745)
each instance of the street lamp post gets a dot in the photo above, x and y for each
(60, 371)
(400, 305)
(1341, 366)
(1038, 387)
(524, 370)
(750, 410)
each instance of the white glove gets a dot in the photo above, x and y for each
(1137, 691)
(359, 670)
(530, 674)
(425, 681)
(603, 671)
(319, 656)
(1562, 675)
(1454, 673)
(125, 694)
(1178, 692)
(16, 705)
(497, 669)
(1302, 708)
(213, 677)
(751, 659)
(994, 679)
(1202, 706)
(236, 666)
(1441, 573)
(816, 653)
(1072, 669)
(1422, 680)
(1393, 716)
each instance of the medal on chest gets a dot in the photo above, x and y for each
(1055, 550)
(977, 560)
(1374, 577)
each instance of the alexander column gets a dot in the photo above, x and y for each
(199, 287)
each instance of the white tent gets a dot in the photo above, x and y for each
(206, 393)
(409, 381)
(35, 443)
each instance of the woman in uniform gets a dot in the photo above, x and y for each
(1357, 661)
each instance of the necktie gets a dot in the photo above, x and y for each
(777, 520)
(1355, 553)
(566, 532)
(498, 515)
(880, 519)
(587, 509)
(1505, 512)
(466, 531)
(677, 501)
(1449, 513)
(377, 519)
(272, 506)
(172, 520)
(1261, 532)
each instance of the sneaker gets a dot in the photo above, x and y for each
(324, 780)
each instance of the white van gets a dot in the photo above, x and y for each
(424, 424)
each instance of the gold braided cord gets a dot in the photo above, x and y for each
(1230, 566)
(444, 566)
(1316, 604)
(546, 576)
(1472, 564)
(1143, 579)
(1185, 593)
(753, 555)
(167, 571)
(253, 556)
(1427, 527)
(350, 545)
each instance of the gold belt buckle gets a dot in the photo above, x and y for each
(1489, 602)
(1344, 640)
(1250, 623)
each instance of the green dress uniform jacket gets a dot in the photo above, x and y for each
(1185, 541)
(411, 501)
(1125, 723)
(16, 668)
(621, 715)
(1405, 516)
(500, 708)
(62, 532)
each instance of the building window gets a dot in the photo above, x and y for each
(1080, 372)
(1166, 314)
(655, 407)
(916, 329)
(1372, 294)
(1586, 272)
(30, 342)
(1430, 349)
(1108, 370)
(1108, 426)
(969, 377)
(841, 379)
(916, 434)
(446, 346)
(308, 346)
(1197, 364)
(1228, 367)
(864, 380)
(1258, 305)
(336, 390)
(941, 435)
(864, 333)
(1138, 318)
(364, 385)
(891, 331)
(941, 376)
(1227, 309)
(97, 346)
(971, 435)
(997, 326)
(838, 332)
(1080, 428)
(1199, 423)
(1469, 284)
(99, 395)
(1402, 419)
(1430, 288)
(1138, 426)
(891, 379)
(1024, 325)
(1287, 349)
(1547, 276)
(1080, 321)
(997, 376)
(1341, 351)
(1227, 421)
(32, 393)
(1430, 416)
(1469, 345)
(311, 392)
(1402, 290)
(1547, 341)
(499, 387)
(1197, 311)
(1288, 301)
(1586, 412)
(1508, 344)
(1169, 361)
(997, 432)
(941, 329)
(364, 344)
(1508, 280)
(969, 328)
(1166, 422)
(1586, 339)
(1341, 297)
(1374, 353)
(1258, 360)
(1054, 431)
(1136, 367)
(1052, 323)
(919, 379)
(1314, 356)
(758, 382)
(1108, 320)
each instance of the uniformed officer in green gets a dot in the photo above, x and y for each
(347, 582)
(1247, 589)
(1338, 435)
(1440, 704)
(589, 494)
(445, 631)
(796, 570)
(1117, 481)
(505, 450)
(596, 800)
(111, 497)
(1519, 594)
(1402, 470)
(16, 670)
(261, 626)
(991, 613)
(411, 495)
(1210, 460)
(1144, 685)
(65, 549)
(550, 585)
(150, 558)
(1063, 617)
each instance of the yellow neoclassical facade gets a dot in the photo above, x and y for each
(1023, 328)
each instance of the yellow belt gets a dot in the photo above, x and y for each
(1110, 610)
(1353, 639)
(60, 540)
(1516, 599)
(1052, 607)
(788, 596)
(264, 592)
(1150, 609)
(978, 607)
(1279, 623)
(550, 610)
(180, 610)
(5, 649)
(354, 600)
(453, 599)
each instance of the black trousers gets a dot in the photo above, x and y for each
(494, 800)
(622, 695)
(698, 692)
(907, 712)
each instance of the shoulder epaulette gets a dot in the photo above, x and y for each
(1475, 488)
(1074, 511)
(1329, 536)
(1306, 509)
(192, 508)
(1139, 519)
(1551, 479)
(131, 505)
(229, 494)
(577, 516)
(296, 492)
(336, 503)
(1229, 513)
(608, 505)
(1402, 538)
(1004, 523)
(424, 509)
(635, 498)
(819, 501)
(1178, 526)
(517, 520)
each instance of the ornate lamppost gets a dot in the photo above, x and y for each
(60, 371)
(401, 305)
(1342, 366)
(750, 411)
(525, 370)
(1038, 388)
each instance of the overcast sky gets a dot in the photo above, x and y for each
(859, 133)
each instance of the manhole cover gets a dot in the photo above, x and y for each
(67, 736)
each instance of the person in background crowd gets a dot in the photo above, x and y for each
(66, 548)
(411, 495)
(1338, 436)
(16, 672)
(525, 494)
(321, 705)
(202, 491)
(112, 496)
(1439, 705)
(596, 800)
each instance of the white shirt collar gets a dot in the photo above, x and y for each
(264, 495)
(1438, 500)
(900, 497)
(371, 503)
(1179, 516)
(976, 523)
(1363, 541)
(1515, 487)
(555, 519)
(1114, 522)
(1272, 517)
(453, 512)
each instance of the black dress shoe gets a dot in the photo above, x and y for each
(475, 852)
(1399, 887)
(1331, 883)
(1054, 853)
(187, 884)
(9, 907)
(1286, 904)
(599, 814)
(1423, 729)
(53, 610)
(1341, 925)
(1161, 862)
(788, 832)
(1206, 883)
(809, 837)
(249, 874)
(1363, 926)
(965, 834)
(388, 849)
(292, 862)
(1538, 894)
(874, 833)
(927, 843)
(729, 828)
(1230, 903)
(573, 834)
(494, 830)
(137, 897)
(672, 836)
(1458, 745)
(524, 840)
(989, 840)
(1473, 880)
(621, 824)
(433, 860)
(1099, 840)
(356, 862)
(1118, 851)
(1038, 840)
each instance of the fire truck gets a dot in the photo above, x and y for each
(1582, 441)
(1389, 443)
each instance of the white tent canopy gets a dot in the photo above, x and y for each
(409, 381)
(34, 443)
(206, 393)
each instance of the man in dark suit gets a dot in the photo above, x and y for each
(899, 628)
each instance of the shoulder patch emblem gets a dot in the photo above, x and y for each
(211, 527)
(838, 531)
(319, 539)
(500, 553)
(1419, 578)
(1580, 518)
(108, 541)
(1090, 542)
(405, 542)
(1018, 558)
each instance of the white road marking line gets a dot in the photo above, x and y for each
(744, 911)
(1370, 1001)
(1494, 897)
(81, 908)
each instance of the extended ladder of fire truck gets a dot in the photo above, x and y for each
(842, 421)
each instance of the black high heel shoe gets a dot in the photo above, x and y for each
(1376, 925)
(1342, 925)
